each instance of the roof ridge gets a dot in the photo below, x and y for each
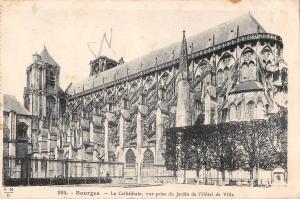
(215, 35)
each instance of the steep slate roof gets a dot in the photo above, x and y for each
(247, 86)
(10, 103)
(47, 58)
(226, 31)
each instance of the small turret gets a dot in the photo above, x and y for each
(36, 58)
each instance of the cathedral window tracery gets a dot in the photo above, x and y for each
(266, 54)
(130, 158)
(248, 55)
(148, 158)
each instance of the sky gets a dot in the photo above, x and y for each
(137, 28)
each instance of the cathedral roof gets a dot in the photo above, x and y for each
(10, 103)
(47, 58)
(242, 25)
(247, 86)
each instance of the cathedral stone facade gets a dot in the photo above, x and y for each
(119, 113)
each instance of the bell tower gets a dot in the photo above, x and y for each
(42, 87)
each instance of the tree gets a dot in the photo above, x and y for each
(229, 146)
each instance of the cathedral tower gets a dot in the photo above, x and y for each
(42, 87)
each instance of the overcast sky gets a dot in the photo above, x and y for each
(65, 28)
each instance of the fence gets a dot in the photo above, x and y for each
(55, 168)
(156, 171)
(157, 174)
(58, 171)
(32, 171)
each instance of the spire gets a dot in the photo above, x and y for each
(47, 58)
(183, 62)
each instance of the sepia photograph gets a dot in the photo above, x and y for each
(140, 99)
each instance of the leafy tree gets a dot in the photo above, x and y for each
(229, 146)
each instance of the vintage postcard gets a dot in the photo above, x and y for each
(150, 99)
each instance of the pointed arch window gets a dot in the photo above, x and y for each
(244, 72)
(26, 102)
(266, 53)
(232, 113)
(260, 110)
(96, 68)
(50, 106)
(248, 54)
(252, 71)
(226, 73)
(220, 77)
(21, 132)
(224, 115)
(50, 78)
(63, 106)
(251, 110)
(130, 158)
(148, 158)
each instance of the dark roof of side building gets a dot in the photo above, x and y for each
(226, 31)
(10, 103)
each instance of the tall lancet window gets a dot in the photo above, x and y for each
(260, 110)
(252, 71)
(232, 113)
(251, 110)
(226, 73)
(27, 102)
(148, 158)
(220, 77)
(244, 72)
(40, 78)
(50, 78)
(50, 106)
(130, 158)
(239, 111)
